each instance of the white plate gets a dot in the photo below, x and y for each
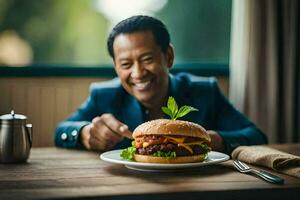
(114, 157)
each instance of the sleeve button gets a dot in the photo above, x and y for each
(64, 136)
(74, 133)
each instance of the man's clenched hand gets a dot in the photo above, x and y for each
(104, 133)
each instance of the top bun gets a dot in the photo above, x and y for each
(171, 127)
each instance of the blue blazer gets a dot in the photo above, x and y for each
(215, 112)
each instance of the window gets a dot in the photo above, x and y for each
(74, 32)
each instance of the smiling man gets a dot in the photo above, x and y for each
(143, 69)
(142, 55)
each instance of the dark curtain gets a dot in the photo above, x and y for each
(272, 95)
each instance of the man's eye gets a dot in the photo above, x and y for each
(125, 65)
(147, 60)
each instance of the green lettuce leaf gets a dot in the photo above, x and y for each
(128, 153)
(205, 148)
(170, 154)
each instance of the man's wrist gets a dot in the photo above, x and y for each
(217, 143)
(85, 135)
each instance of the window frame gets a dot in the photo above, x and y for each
(46, 70)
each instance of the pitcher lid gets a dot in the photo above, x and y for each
(12, 116)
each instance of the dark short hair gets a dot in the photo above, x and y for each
(140, 23)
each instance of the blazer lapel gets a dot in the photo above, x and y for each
(132, 112)
(177, 91)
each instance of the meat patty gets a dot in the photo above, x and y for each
(167, 147)
(159, 139)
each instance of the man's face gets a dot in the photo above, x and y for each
(142, 66)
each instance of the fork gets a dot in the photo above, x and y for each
(243, 168)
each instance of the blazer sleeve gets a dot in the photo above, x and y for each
(67, 133)
(233, 126)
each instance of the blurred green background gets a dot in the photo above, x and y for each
(74, 31)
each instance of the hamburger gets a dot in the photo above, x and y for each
(169, 141)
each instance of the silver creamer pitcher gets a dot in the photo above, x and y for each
(15, 138)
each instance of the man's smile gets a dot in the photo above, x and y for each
(142, 85)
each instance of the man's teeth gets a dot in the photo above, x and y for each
(142, 85)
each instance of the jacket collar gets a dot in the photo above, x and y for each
(134, 112)
(177, 90)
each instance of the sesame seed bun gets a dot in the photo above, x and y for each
(171, 128)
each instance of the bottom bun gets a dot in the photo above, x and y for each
(179, 159)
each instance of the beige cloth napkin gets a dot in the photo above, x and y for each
(264, 156)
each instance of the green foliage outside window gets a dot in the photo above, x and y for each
(73, 32)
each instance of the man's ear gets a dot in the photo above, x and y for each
(170, 56)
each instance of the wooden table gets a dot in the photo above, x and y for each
(60, 173)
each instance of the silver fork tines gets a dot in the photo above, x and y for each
(243, 168)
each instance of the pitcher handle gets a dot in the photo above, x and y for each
(29, 133)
